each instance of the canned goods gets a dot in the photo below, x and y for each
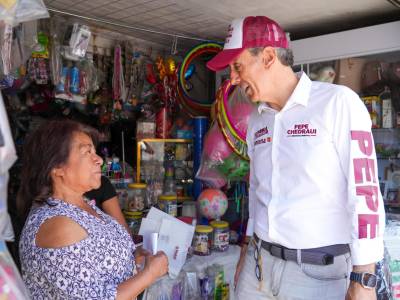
(202, 240)
(220, 235)
(168, 204)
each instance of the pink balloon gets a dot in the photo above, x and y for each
(212, 178)
(240, 113)
(215, 146)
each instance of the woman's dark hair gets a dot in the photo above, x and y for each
(45, 149)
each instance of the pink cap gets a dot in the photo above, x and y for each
(248, 32)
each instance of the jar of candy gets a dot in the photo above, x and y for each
(220, 235)
(168, 204)
(202, 240)
(133, 219)
(137, 194)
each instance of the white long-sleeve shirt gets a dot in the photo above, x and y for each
(313, 174)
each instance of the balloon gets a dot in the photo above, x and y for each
(190, 71)
(240, 113)
(211, 177)
(213, 203)
(215, 146)
(170, 66)
(234, 167)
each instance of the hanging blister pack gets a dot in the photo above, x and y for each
(76, 42)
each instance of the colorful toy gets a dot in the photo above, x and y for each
(215, 146)
(194, 107)
(213, 203)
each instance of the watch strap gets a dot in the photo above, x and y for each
(357, 277)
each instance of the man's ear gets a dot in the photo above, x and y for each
(269, 56)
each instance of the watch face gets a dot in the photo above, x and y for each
(369, 280)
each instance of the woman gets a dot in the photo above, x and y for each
(69, 248)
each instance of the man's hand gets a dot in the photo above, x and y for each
(357, 292)
(240, 263)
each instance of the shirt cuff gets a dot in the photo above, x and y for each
(366, 251)
(250, 227)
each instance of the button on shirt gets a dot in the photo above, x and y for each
(313, 175)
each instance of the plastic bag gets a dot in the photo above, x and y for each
(6, 39)
(11, 284)
(29, 10)
(14, 12)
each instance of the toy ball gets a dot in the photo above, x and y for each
(213, 203)
(215, 146)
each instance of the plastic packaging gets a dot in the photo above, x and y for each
(220, 235)
(202, 240)
(19, 11)
(74, 80)
(137, 197)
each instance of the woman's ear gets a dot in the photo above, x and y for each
(269, 56)
(57, 172)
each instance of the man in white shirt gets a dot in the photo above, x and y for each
(316, 212)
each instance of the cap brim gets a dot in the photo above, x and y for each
(223, 59)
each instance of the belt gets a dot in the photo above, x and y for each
(314, 256)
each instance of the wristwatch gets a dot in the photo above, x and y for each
(367, 280)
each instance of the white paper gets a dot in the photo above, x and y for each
(174, 237)
(149, 226)
(150, 242)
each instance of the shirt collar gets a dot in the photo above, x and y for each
(300, 94)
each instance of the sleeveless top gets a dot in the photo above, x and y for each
(89, 269)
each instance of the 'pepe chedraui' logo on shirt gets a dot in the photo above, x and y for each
(301, 130)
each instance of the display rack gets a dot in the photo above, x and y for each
(142, 143)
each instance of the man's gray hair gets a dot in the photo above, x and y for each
(284, 55)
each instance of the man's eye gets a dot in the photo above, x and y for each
(236, 68)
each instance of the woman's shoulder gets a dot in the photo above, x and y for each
(59, 231)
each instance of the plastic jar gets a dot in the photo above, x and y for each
(220, 235)
(137, 194)
(202, 240)
(168, 204)
(133, 219)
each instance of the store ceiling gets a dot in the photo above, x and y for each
(209, 19)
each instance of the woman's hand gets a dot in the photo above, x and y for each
(140, 255)
(156, 265)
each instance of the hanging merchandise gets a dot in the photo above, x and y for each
(76, 41)
(14, 12)
(225, 149)
(38, 70)
(192, 106)
(6, 42)
(57, 72)
(118, 84)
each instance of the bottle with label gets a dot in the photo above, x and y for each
(74, 80)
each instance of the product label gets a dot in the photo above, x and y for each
(172, 209)
(221, 239)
